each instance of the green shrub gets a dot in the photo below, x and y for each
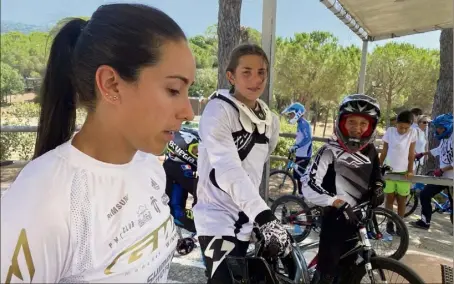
(21, 145)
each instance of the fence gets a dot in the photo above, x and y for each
(415, 179)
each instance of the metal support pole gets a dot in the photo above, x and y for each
(362, 70)
(268, 45)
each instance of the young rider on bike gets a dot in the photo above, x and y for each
(238, 133)
(344, 172)
(303, 143)
(180, 167)
(443, 132)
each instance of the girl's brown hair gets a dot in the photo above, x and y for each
(242, 50)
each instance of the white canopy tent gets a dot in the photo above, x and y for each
(377, 20)
(371, 20)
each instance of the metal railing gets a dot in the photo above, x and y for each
(414, 179)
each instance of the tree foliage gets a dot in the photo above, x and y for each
(311, 68)
(11, 82)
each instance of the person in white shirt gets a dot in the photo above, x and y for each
(238, 133)
(421, 141)
(92, 208)
(417, 112)
(399, 150)
(443, 132)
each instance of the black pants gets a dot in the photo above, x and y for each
(214, 251)
(333, 235)
(302, 163)
(180, 183)
(429, 191)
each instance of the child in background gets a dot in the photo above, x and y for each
(399, 150)
(303, 143)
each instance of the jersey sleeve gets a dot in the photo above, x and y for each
(274, 137)
(34, 235)
(304, 134)
(313, 179)
(385, 137)
(216, 135)
(435, 151)
(414, 135)
(376, 170)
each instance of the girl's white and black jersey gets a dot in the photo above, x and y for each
(230, 166)
(338, 174)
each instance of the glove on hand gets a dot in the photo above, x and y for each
(346, 212)
(276, 239)
(438, 172)
(378, 196)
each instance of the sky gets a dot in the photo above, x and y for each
(195, 16)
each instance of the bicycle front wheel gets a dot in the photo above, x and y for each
(381, 265)
(389, 245)
(281, 183)
(292, 211)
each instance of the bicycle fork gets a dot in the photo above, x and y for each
(368, 254)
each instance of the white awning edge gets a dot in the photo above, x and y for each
(409, 32)
(343, 15)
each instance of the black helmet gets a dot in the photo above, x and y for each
(185, 146)
(362, 105)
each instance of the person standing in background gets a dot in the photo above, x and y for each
(399, 147)
(417, 112)
(303, 143)
(421, 140)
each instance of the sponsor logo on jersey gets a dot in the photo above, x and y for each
(143, 214)
(242, 140)
(154, 184)
(188, 137)
(158, 275)
(124, 230)
(23, 248)
(146, 247)
(118, 207)
(154, 204)
(180, 152)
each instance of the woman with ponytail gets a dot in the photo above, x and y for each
(91, 207)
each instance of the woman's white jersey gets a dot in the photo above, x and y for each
(69, 218)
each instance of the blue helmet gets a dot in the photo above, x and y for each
(443, 121)
(297, 109)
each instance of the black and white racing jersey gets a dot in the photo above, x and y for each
(230, 168)
(338, 174)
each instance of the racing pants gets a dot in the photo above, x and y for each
(181, 181)
(425, 196)
(302, 163)
(333, 236)
(214, 251)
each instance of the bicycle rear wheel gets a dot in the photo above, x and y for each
(379, 265)
(300, 210)
(281, 183)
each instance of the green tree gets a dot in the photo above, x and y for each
(205, 82)
(11, 82)
(389, 74)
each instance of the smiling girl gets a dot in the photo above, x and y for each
(238, 133)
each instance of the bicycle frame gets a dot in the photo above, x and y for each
(363, 248)
(240, 266)
(315, 223)
(292, 165)
(442, 207)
